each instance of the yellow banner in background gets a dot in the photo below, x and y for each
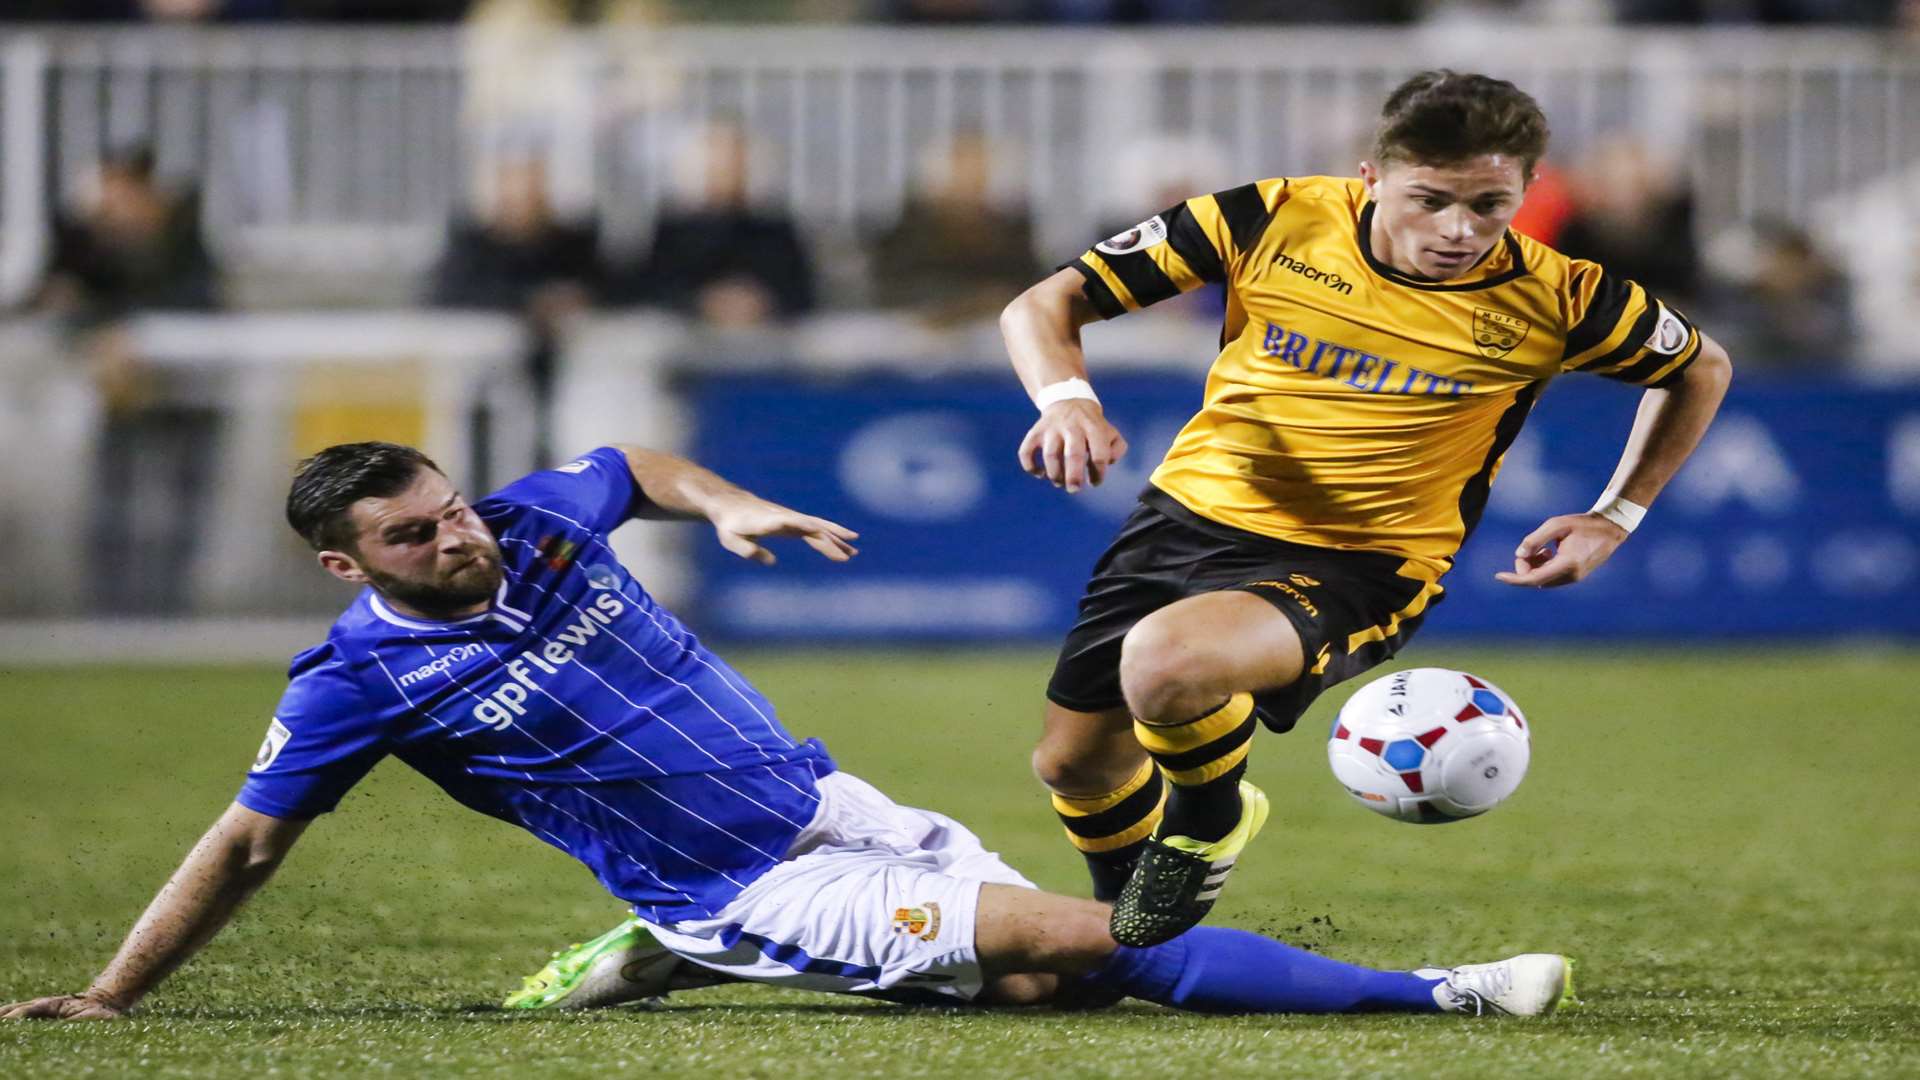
(337, 402)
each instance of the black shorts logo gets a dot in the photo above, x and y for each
(1290, 592)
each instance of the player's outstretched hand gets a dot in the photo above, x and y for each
(63, 1007)
(1072, 444)
(744, 522)
(1563, 550)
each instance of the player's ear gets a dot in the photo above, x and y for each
(343, 566)
(1370, 176)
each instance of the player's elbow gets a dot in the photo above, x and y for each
(256, 871)
(1712, 370)
(1024, 310)
(254, 859)
(254, 844)
(1055, 306)
(1013, 314)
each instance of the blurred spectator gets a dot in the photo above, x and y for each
(954, 256)
(517, 257)
(1634, 216)
(1320, 11)
(233, 10)
(377, 10)
(134, 246)
(1875, 12)
(1140, 11)
(141, 10)
(1127, 11)
(1789, 307)
(723, 260)
(949, 11)
(1153, 174)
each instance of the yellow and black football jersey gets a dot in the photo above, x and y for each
(1353, 406)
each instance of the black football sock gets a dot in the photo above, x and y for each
(1109, 828)
(1203, 759)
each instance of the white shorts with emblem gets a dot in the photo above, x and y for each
(873, 898)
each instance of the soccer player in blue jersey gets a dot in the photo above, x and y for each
(502, 650)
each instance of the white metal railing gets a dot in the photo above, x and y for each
(346, 148)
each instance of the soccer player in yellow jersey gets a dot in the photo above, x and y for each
(1385, 337)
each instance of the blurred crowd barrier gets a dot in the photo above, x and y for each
(167, 498)
(1800, 514)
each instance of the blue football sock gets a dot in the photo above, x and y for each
(1217, 970)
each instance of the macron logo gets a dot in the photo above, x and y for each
(1313, 273)
(498, 709)
(441, 663)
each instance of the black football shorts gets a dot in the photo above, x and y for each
(1351, 608)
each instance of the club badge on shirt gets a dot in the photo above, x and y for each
(922, 922)
(1669, 333)
(1495, 333)
(277, 736)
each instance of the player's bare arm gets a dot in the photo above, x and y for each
(1072, 443)
(1667, 428)
(235, 857)
(676, 487)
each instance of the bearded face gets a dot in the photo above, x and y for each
(424, 550)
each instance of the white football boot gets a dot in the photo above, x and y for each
(1531, 984)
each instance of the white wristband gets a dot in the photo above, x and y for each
(1620, 511)
(1064, 390)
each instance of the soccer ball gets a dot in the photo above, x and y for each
(1429, 745)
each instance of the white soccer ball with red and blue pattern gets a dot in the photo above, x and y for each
(1429, 745)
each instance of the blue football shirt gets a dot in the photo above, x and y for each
(576, 708)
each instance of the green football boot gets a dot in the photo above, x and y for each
(624, 964)
(1177, 878)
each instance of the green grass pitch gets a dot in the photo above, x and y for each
(1729, 841)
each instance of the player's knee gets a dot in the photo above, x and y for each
(1077, 768)
(1164, 673)
(1080, 944)
(1026, 989)
(1059, 771)
(1021, 932)
(1070, 943)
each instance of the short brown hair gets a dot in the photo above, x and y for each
(326, 485)
(1443, 117)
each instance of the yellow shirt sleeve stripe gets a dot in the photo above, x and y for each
(1596, 300)
(1094, 262)
(1666, 375)
(1176, 268)
(1634, 326)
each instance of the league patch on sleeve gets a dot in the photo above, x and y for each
(577, 467)
(1144, 235)
(277, 736)
(1669, 332)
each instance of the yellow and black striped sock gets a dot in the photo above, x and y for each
(1203, 758)
(1109, 829)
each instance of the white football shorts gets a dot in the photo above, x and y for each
(873, 898)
